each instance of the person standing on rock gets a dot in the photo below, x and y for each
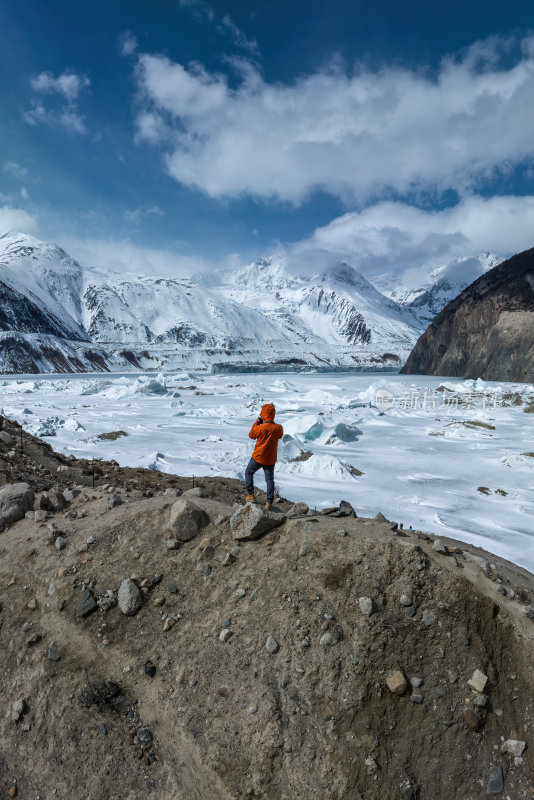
(267, 432)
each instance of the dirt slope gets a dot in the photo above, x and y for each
(229, 719)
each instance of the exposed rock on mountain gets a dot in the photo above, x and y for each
(487, 331)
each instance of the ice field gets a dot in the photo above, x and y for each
(423, 451)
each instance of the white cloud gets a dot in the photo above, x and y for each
(126, 256)
(199, 9)
(17, 170)
(16, 219)
(138, 213)
(68, 84)
(128, 43)
(394, 236)
(66, 118)
(359, 136)
(237, 35)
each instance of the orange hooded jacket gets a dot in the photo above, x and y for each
(267, 435)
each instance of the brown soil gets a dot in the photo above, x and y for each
(229, 719)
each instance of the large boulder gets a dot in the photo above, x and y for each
(187, 520)
(251, 522)
(15, 500)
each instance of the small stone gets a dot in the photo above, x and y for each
(496, 781)
(34, 639)
(29, 515)
(114, 500)
(225, 634)
(90, 540)
(240, 592)
(417, 698)
(327, 639)
(60, 543)
(513, 747)
(304, 549)
(342, 532)
(396, 682)
(173, 589)
(32, 605)
(439, 547)
(366, 606)
(130, 598)
(271, 645)
(159, 601)
(252, 709)
(13, 791)
(53, 654)
(472, 719)
(102, 729)
(70, 494)
(173, 544)
(477, 681)
(409, 612)
(168, 624)
(172, 492)
(150, 669)
(416, 682)
(86, 604)
(429, 617)
(144, 736)
(529, 611)
(17, 710)
(298, 510)
(405, 600)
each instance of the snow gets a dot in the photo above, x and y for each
(421, 466)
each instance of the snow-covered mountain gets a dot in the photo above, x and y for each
(56, 315)
(443, 284)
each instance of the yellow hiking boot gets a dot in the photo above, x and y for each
(250, 498)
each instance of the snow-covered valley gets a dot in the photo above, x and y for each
(446, 456)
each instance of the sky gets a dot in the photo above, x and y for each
(172, 136)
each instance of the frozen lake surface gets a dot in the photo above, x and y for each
(422, 458)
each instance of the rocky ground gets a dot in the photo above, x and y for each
(162, 640)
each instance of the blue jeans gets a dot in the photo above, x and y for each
(268, 471)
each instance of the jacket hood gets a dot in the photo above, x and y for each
(267, 412)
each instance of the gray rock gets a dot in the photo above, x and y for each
(196, 492)
(172, 492)
(327, 639)
(225, 634)
(56, 501)
(366, 606)
(6, 438)
(496, 781)
(380, 517)
(513, 747)
(429, 617)
(86, 604)
(251, 522)
(304, 549)
(405, 600)
(417, 698)
(130, 598)
(529, 611)
(240, 592)
(409, 612)
(17, 710)
(187, 519)
(298, 510)
(71, 494)
(342, 532)
(53, 654)
(60, 543)
(439, 547)
(173, 544)
(29, 515)
(271, 645)
(40, 515)
(114, 500)
(416, 682)
(309, 527)
(345, 510)
(15, 500)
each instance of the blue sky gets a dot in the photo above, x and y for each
(175, 135)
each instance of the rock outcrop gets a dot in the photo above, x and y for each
(487, 331)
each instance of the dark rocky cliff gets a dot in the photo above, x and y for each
(487, 331)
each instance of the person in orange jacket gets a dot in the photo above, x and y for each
(267, 432)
